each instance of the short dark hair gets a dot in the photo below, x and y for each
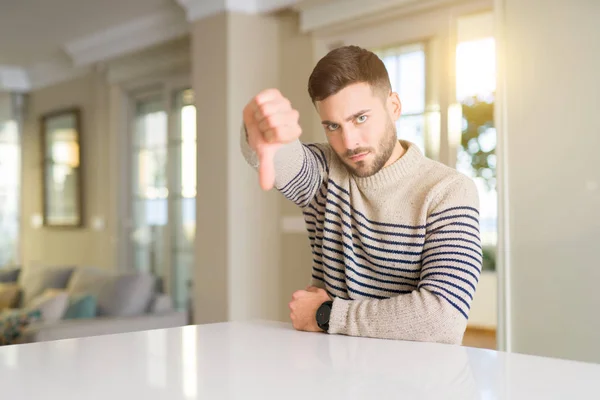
(345, 66)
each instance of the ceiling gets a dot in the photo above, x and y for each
(34, 31)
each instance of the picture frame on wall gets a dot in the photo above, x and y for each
(62, 171)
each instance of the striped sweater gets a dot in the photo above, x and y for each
(399, 252)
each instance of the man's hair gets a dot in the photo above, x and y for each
(345, 66)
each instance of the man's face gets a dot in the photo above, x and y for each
(359, 124)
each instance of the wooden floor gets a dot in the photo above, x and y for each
(481, 338)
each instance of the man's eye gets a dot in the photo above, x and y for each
(361, 119)
(332, 127)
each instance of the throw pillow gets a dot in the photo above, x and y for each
(36, 280)
(14, 323)
(81, 306)
(9, 274)
(9, 295)
(52, 305)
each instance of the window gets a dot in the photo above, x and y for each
(406, 68)
(10, 168)
(476, 152)
(164, 189)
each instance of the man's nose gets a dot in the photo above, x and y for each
(351, 137)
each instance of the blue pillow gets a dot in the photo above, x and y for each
(81, 306)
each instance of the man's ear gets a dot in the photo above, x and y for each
(394, 106)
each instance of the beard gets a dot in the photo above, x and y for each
(382, 154)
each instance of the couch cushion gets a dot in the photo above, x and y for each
(35, 280)
(9, 295)
(88, 280)
(52, 305)
(10, 274)
(126, 295)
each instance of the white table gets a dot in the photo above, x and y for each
(263, 360)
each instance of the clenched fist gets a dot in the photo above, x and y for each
(270, 123)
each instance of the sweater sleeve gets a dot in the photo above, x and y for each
(300, 169)
(437, 310)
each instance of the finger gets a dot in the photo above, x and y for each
(279, 106)
(267, 95)
(266, 167)
(278, 120)
(312, 289)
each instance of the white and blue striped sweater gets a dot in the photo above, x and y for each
(399, 252)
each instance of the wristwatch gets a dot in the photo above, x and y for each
(323, 313)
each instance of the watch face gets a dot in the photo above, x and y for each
(323, 314)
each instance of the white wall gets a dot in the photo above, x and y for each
(551, 56)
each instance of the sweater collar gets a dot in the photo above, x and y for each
(401, 168)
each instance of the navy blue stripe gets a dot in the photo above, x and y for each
(373, 296)
(453, 269)
(478, 245)
(367, 227)
(311, 231)
(462, 289)
(410, 271)
(391, 260)
(454, 209)
(454, 232)
(311, 223)
(364, 216)
(327, 257)
(363, 235)
(331, 294)
(370, 246)
(450, 293)
(304, 188)
(451, 276)
(475, 228)
(315, 154)
(453, 217)
(284, 189)
(323, 155)
(451, 302)
(349, 268)
(376, 287)
(453, 253)
(450, 284)
(451, 246)
(368, 255)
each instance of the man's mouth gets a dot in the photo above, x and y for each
(359, 156)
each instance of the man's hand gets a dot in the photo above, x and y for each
(270, 123)
(304, 307)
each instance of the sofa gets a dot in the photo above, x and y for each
(63, 302)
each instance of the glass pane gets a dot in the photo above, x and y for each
(148, 258)
(9, 132)
(61, 194)
(9, 166)
(150, 173)
(412, 129)
(183, 263)
(412, 82)
(151, 124)
(150, 212)
(185, 223)
(475, 88)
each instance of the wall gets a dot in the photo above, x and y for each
(237, 236)
(550, 95)
(61, 246)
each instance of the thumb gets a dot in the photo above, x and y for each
(266, 168)
(312, 289)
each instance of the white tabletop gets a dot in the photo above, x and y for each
(263, 360)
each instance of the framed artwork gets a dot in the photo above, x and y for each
(61, 149)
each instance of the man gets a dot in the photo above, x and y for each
(394, 235)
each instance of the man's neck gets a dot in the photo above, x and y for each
(398, 152)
